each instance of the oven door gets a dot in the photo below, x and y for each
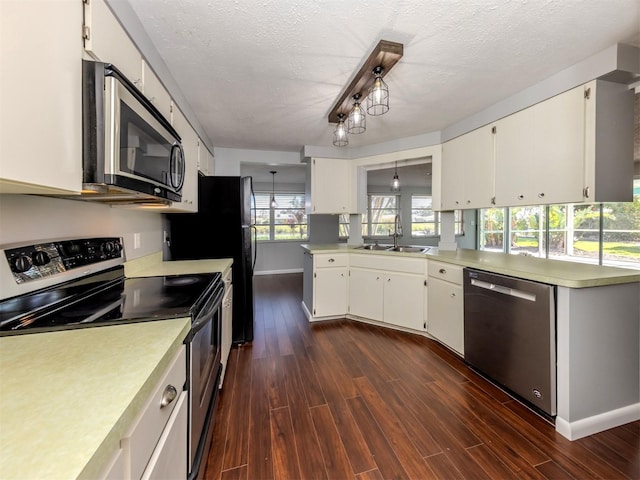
(204, 349)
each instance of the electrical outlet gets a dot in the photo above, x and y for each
(136, 240)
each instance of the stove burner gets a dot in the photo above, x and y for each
(180, 280)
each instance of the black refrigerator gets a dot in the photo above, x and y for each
(222, 228)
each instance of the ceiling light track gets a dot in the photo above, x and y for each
(368, 80)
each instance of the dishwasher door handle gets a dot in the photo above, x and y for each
(504, 290)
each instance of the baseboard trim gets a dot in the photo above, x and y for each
(277, 272)
(597, 423)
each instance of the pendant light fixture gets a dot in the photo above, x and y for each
(274, 204)
(395, 183)
(380, 61)
(378, 98)
(357, 122)
(340, 138)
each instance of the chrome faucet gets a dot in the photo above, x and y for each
(397, 230)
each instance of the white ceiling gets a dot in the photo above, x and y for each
(264, 74)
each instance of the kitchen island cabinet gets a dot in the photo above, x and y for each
(598, 325)
(330, 287)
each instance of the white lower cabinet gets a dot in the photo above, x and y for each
(404, 300)
(365, 293)
(445, 305)
(387, 289)
(156, 444)
(227, 322)
(169, 458)
(330, 285)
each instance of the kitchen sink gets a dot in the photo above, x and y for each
(390, 248)
(408, 249)
(374, 246)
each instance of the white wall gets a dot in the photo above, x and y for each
(28, 219)
(228, 160)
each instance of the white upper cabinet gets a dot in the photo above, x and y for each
(330, 186)
(107, 41)
(206, 162)
(539, 152)
(572, 148)
(40, 98)
(465, 179)
(155, 91)
(609, 142)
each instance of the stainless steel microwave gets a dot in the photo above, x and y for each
(131, 153)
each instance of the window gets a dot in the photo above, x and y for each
(343, 225)
(287, 221)
(603, 233)
(380, 216)
(425, 222)
(423, 219)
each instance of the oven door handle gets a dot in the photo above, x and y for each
(204, 316)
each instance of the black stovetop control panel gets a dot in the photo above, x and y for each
(45, 259)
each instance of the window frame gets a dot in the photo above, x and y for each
(272, 225)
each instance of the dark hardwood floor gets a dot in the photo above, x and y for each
(347, 400)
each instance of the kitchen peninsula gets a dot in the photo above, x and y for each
(597, 319)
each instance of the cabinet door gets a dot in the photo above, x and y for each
(451, 182)
(467, 170)
(169, 458)
(330, 292)
(516, 167)
(40, 99)
(189, 138)
(107, 41)
(559, 145)
(365, 293)
(155, 91)
(404, 300)
(446, 313)
(330, 180)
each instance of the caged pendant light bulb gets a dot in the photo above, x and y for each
(378, 98)
(395, 183)
(274, 204)
(340, 138)
(356, 123)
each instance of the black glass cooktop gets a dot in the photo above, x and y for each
(106, 298)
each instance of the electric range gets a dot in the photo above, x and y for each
(95, 298)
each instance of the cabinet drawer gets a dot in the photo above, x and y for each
(330, 260)
(141, 440)
(445, 271)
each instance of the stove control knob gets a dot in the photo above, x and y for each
(20, 264)
(40, 258)
(108, 247)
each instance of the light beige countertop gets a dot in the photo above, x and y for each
(555, 272)
(68, 397)
(153, 265)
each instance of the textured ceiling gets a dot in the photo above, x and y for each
(264, 74)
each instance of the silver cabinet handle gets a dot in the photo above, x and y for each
(452, 295)
(388, 279)
(331, 260)
(442, 270)
(520, 197)
(541, 195)
(169, 395)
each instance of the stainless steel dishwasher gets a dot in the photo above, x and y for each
(509, 335)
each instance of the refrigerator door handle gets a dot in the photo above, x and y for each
(255, 246)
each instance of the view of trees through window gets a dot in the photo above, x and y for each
(380, 216)
(607, 233)
(287, 221)
(425, 222)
